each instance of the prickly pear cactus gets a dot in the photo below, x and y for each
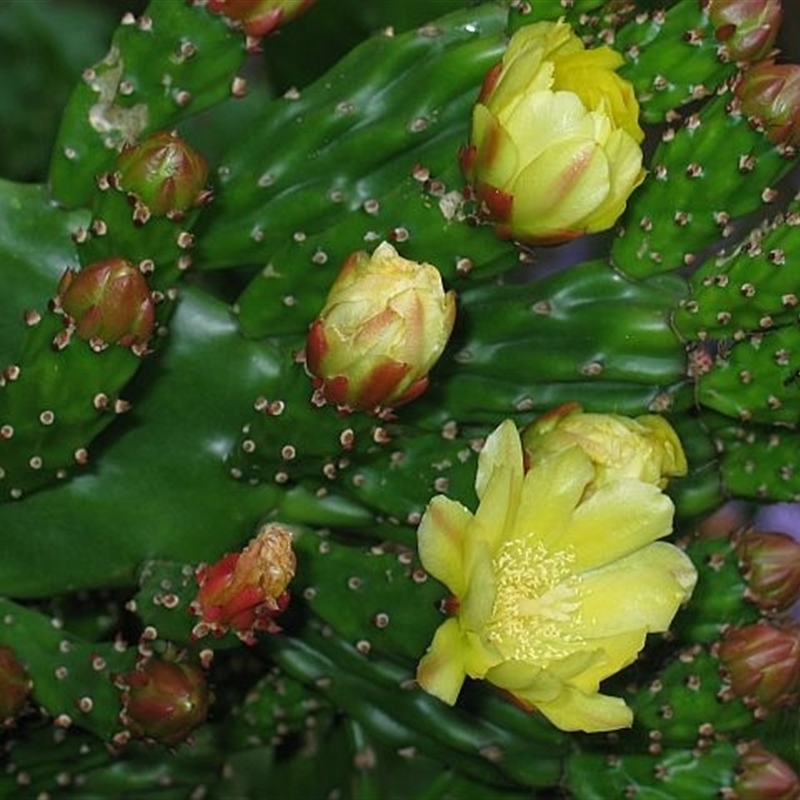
(214, 579)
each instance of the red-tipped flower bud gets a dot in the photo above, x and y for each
(163, 700)
(761, 775)
(259, 17)
(108, 300)
(242, 592)
(15, 685)
(747, 28)
(384, 325)
(762, 663)
(164, 173)
(770, 94)
(770, 563)
(554, 147)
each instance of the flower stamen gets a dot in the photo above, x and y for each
(536, 607)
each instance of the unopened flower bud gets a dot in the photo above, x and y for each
(244, 591)
(164, 173)
(770, 563)
(384, 325)
(108, 300)
(259, 17)
(762, 663)
(747, 28)
(554, 147)
(15, 685)
(646, 448)
(770, 94)
(761, 775)
(163, 700)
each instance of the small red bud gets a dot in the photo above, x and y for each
(747, 28)
(770, 94)
(259, 17)
(762, 663)
(164, 173)
(770, 563)
(243, 592)
(761, 775)
(108, 300)
(163, 700)
(15, 685)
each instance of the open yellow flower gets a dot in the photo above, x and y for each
(555, 587)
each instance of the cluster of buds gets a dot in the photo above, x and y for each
(259, 17)
(108, 301)
(163, 175)
(15, 685)
(746, 28)
(243, 592)
(163, 700)
(384, 325)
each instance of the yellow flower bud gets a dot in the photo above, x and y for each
(384, 325)
(554, 149)
(645, 448)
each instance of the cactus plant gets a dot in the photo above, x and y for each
(243, 583)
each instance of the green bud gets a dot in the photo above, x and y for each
(164, 174)
(108, 300)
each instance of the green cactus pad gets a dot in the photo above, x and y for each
(698, 188)
(759, 462)
(718, 599)
(72, 678)
(385, 105)
(750, 289)
(668, 774)
(687, 704)
(755, 379)
(174, 60)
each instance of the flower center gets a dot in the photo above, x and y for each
(536, 607)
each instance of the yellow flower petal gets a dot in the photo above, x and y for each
(498, 484)
(479, 657)
(523, 679)
(497, 156)
(546, 120)
(619, 518)
(440, 539)
(642, 591)
(561, 187)
(613, 654)
(441, 671)
(574, 710)
(477, 601)
(550, 493)
(502, 449)
(625, 159)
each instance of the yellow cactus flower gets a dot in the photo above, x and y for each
(385, 323)
(557, 580)
(554, 149)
